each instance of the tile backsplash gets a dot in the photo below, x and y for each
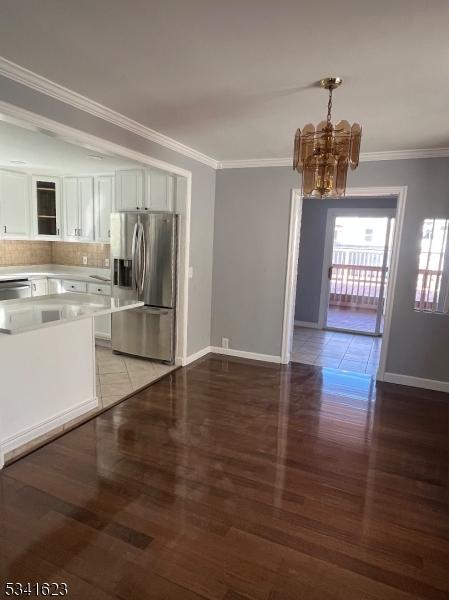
(68, 253)
(25, 253)
(16, 253)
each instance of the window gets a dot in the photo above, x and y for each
(432, 285)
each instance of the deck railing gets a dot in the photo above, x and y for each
(359, 286)
(355, 285)
(427, 289)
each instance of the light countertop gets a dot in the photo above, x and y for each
(87, 274)
(28, 314)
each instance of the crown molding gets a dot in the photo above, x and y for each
(405, 154)
(364, 157)
(255, 162)
(54, 90)
(43, 85)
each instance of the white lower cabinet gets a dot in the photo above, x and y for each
(102, 323)
(39, 287)
(73, 286)
(54, 286)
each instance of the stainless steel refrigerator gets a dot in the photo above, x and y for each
(143, 254)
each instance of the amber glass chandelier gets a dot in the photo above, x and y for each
(323, 154)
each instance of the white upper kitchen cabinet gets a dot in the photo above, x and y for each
(46, 207)
(129, 189)
(86, 204)
(104, 205)
(160, 190)
(14, 205)
(78, 209)
(71, 208)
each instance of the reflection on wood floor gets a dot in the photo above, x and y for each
(234, 479)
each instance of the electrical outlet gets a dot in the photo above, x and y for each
(224, 342)
(190, 272)
(84, 260)
(106, 262)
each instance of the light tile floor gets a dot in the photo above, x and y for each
(119, 375)
(345, 351)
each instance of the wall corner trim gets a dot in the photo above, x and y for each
(58, 92)
(418, 382)
(196, 355)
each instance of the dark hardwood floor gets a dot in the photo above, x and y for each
(233, 479)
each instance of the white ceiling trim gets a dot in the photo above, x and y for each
(50, 88)
(364, 157)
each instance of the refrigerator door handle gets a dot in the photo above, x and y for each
(142, 257)
(134, 257)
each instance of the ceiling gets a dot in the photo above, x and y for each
(46, 154)
(234, 79)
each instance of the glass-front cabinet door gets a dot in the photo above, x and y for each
(46, 207)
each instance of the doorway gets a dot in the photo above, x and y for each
(314, 339)
(356, 268)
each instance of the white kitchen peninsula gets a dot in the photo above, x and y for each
(47, 358)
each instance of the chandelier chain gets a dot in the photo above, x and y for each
(329, 107)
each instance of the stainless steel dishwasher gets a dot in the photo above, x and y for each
(18, 288)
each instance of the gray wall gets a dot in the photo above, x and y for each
(203, 194)
(311, 249)
(250, 254)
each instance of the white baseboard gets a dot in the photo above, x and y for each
(103, 336)
(192, 357)
(230, 352)
(418, 382)
(308, 324)
(31, 433)
(243, 354)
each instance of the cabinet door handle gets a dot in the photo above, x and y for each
(109, 233)
(79, 232)
(4, 228)
(34, 287)
(75, 232)
(57, 231)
